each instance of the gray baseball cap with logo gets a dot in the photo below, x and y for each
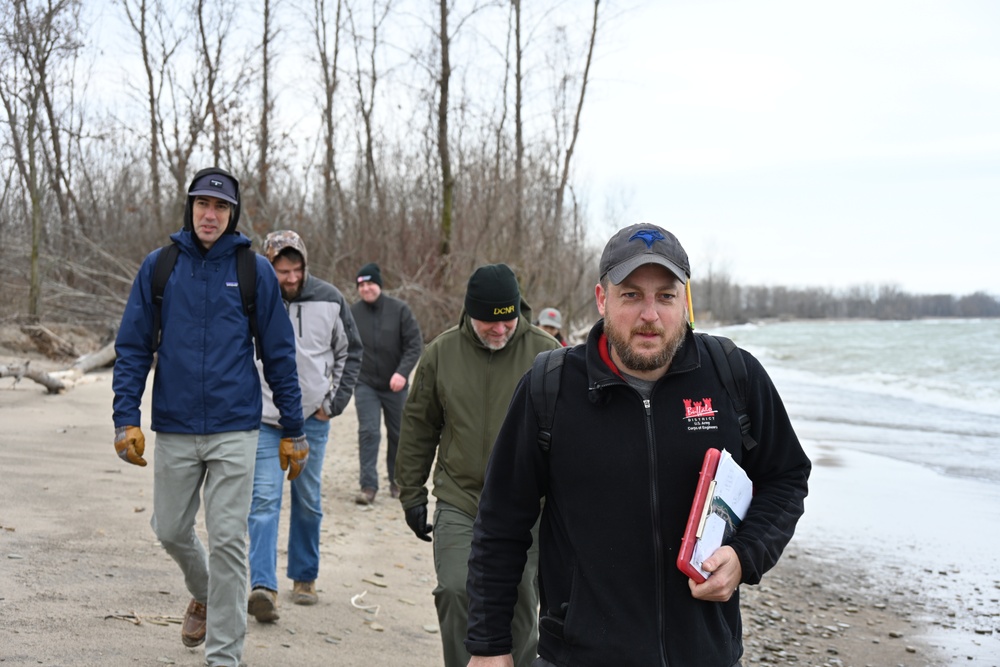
(640, 244)
(215, 185)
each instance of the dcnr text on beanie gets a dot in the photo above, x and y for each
(493, 294)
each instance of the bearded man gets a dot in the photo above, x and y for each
(618, 479)
(463, 383)
(328, 353)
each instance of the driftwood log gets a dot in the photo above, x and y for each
(48, 343)
(60, 381)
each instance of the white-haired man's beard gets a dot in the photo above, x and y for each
(639, 360)
(495, 343)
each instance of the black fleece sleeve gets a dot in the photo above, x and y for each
(779, 469)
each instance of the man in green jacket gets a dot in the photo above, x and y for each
(459, 397)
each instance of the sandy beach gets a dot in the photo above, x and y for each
(84, 582)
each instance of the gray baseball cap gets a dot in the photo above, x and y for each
(640, 244)
(550, 317)
(215, 185)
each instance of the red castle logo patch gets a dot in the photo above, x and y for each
(702, 408)
(699, 414)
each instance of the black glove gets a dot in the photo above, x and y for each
(416, 519)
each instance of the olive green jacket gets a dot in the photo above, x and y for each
(457, 401)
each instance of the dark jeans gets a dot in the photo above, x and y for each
(370, 403)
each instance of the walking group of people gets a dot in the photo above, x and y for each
(555, 555)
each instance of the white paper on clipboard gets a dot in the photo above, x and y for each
(730, 501)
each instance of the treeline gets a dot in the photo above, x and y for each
(428, 136)
(718, 298)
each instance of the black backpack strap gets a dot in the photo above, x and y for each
(732, 371)
(246, 275)
(546, 375)
(161, 272)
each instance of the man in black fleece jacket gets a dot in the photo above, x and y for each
(618, 481)
(393, 344)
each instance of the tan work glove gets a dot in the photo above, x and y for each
(130, 443)
(293, 454)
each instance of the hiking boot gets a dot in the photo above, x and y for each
(366, 497)
(393, 490)
(263, 605)
(193, 628)
(304, 592)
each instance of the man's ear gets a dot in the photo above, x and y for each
(601, 296)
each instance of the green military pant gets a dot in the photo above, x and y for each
(452, 544)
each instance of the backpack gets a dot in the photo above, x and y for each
(546, 375)
(246, 275)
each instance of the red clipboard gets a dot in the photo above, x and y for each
(698, 514)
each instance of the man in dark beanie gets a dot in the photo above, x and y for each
(207, 404)
(392, 343)
(370, 273)
(473, 369)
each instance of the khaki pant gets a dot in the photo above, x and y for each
(452, 545)
(222, 463)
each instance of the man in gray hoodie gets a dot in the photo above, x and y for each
(328, 356)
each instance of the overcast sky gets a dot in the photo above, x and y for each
(806, 143)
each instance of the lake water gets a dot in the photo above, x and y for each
(923, 391)
(902, 422)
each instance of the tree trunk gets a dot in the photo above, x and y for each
(211, 76)
(264, 163)
(447, 179)
(139, 20)
(560, 193)
(518, 129)
(330, 80)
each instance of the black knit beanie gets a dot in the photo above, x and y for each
(493, 294)
(370, 272)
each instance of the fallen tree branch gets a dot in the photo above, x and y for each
(48, 343)
(52, 384)
(59, 381)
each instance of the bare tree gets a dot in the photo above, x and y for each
(267, 104)
(54, 39)
(148, 20)
(518, 126)
(447, 179)
(328, 57)
(456, 151)
(36, 40)
(564, 176)
(212, 36)
(365, 81)
(21, 104)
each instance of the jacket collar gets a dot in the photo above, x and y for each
(602, 370)
(225, 246)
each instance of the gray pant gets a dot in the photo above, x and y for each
(223, 464)
(370, 403)
(452, 545)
